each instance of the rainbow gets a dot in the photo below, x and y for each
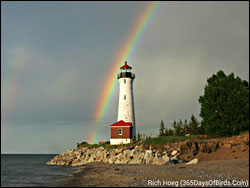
(128, 48)
(10, 86)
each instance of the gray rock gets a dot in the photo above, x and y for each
(123, 161)
(160, 161)
(194, 161)
(174, 152)
(148, 157)
(166, 158)
(112, 159)
(136, 161)
(126, 153)
(134, 152)
(91, 159)
(174, 158)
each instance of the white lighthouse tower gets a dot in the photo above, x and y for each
(123, 131)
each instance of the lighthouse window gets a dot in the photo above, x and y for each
(120, 132)
(124, 81)
(124, 97)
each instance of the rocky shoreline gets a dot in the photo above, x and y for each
(136, 155)
(182, 152)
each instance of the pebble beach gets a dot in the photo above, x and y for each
(171, 175)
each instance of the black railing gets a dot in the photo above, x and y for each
(125, 75)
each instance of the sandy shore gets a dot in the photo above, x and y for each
(113, 175)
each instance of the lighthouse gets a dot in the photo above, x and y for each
(123, 131)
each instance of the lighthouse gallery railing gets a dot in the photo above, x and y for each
(125, 75)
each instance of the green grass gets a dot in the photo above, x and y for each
(91, 146)
(243, 132)
(166, 139)
(155, 140)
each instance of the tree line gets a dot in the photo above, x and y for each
(181, 128)
(143, 136)
(224, 109)
(225, 105)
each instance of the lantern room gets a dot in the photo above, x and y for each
(125, 72)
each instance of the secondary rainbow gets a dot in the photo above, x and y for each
(10, 86)
(128, 48)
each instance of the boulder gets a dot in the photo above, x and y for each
(83, 149)
(148, 153)
(123, 161)
(91, 160)
(112, 159)
(159, 161)
(148, 157)
(159, 154)
(117, 150)
(100, 156)
(149, 160)
(138, 156)
(101, 148)
(194, 161)
(134, 151)
(174, 158)
(104, 157)
(73, 163)
(106, 160)
(120, 156)
(61, 163)
(165, 157)
(136, 161)
(174, 152)
(126, 153)
(52, 162)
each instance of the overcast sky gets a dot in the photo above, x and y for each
(55, 56)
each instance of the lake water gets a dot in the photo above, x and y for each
(23, 170)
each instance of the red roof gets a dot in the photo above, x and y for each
(126, 66)
(121, 124)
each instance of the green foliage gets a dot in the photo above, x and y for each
(138, 137)
(162, 129)
(179, 129)
(166, 139)
(185, 127)
(243, 132)
(81, 144)
(91, 146)
(174, 127)
(108, 142)
(170, 132)
(166, 132)
(225, 105)
(193, 126)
